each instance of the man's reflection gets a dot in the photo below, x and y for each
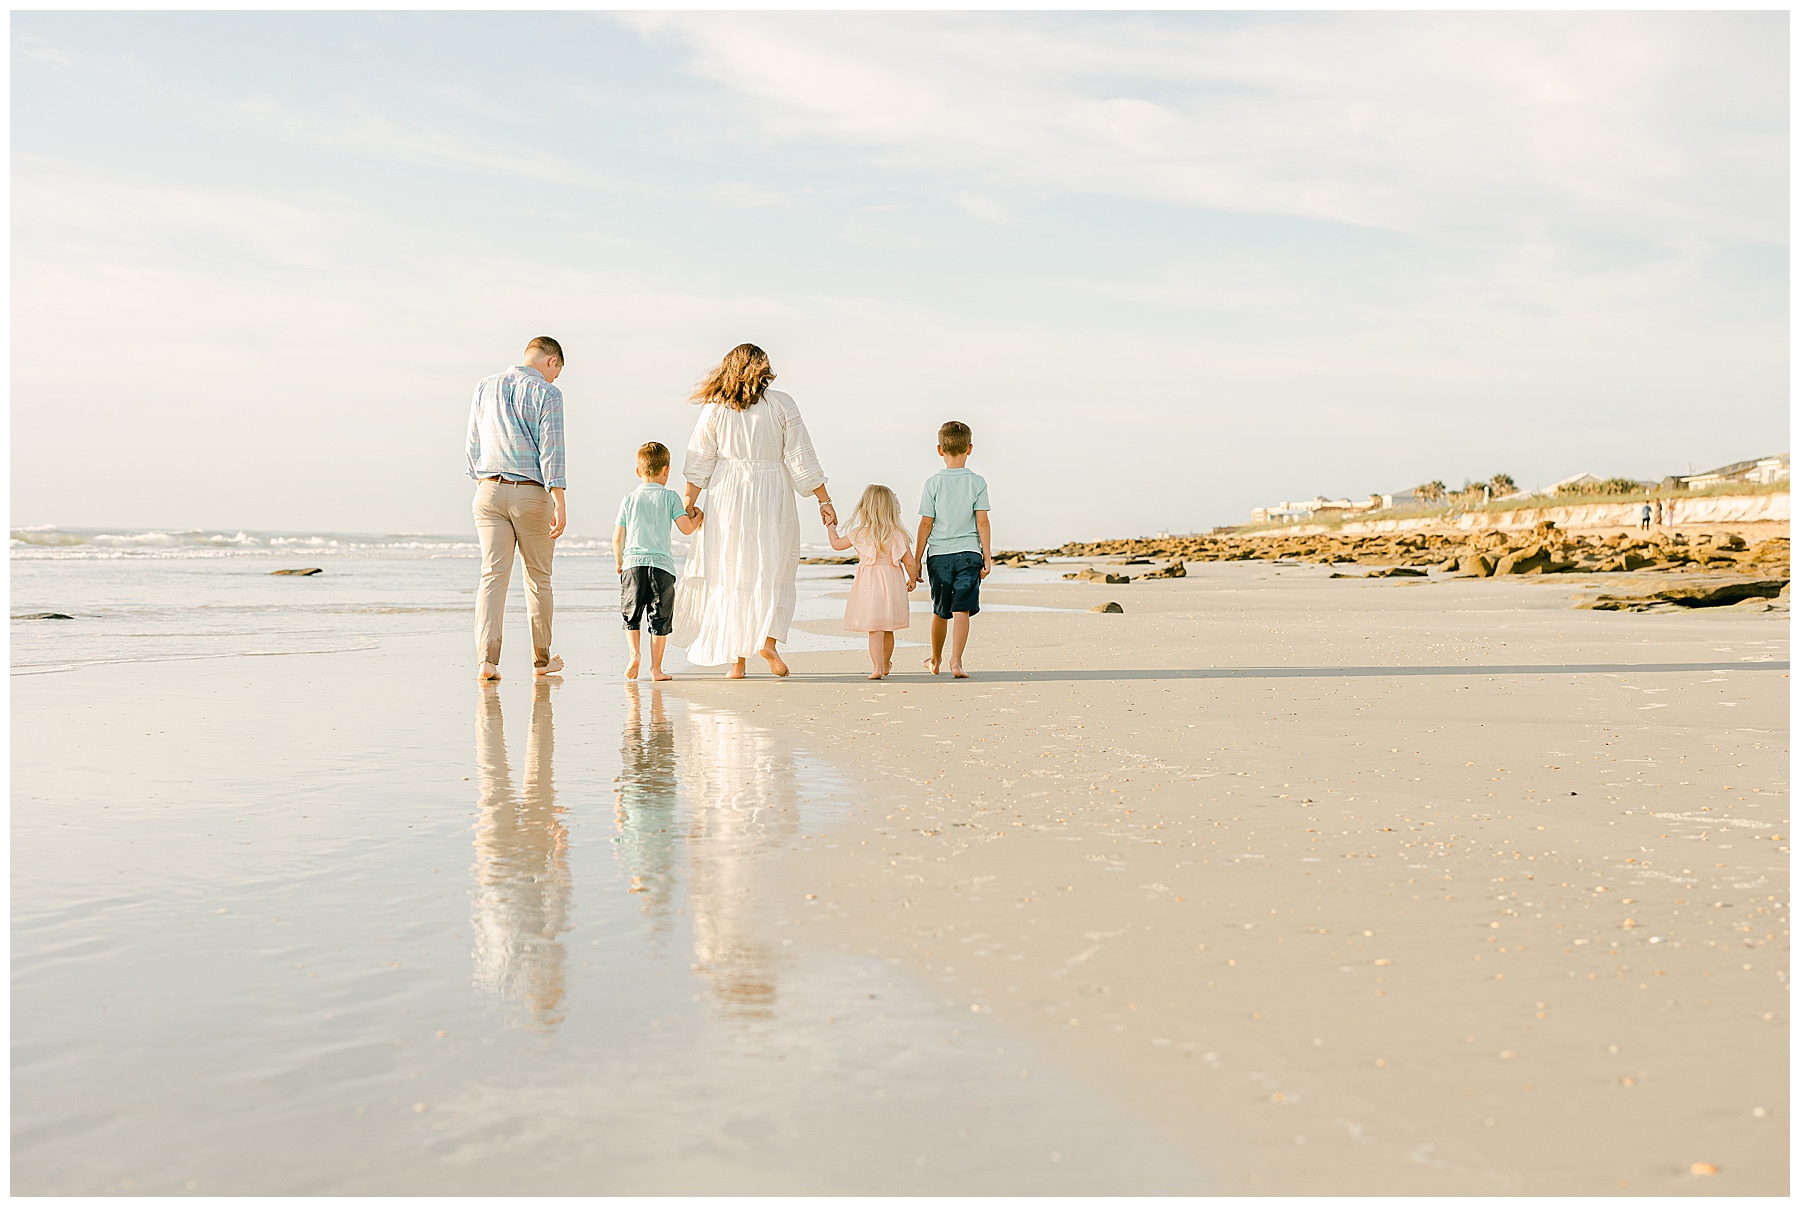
(645, 796)
(521, 864)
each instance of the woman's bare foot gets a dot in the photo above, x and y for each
(775, 663)
(659, 675)
(489, 671)
(552, 667)
(877, 674)
(736, 671)
(957, 672)
(931, 664)
(631, 669)
(887, 668)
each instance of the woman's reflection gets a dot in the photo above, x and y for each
(743, 798)
(521, 864)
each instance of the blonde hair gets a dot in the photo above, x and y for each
(877, 516)
(738, 381)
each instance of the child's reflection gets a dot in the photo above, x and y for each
(521, 864)
(644, 804)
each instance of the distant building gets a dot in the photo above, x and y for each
(1763, 471)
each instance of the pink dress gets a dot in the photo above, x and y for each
(878, 596)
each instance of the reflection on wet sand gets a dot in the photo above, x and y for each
(738, 790)
(521, 901)
(645, 797)
(743, 794)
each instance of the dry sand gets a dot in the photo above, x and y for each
(1354, 887)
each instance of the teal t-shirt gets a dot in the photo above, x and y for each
(951, 499)
(646, 515)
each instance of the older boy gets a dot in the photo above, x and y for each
(955, 545)
(645, 564)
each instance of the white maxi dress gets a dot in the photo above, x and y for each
(738, 586)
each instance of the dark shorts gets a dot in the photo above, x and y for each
(955, 580)
(647, 599)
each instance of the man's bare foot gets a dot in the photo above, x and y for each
(659, 675)
(736, 671)
(489, 671)
(957, 672)
(631, 669)
(931, 664)
(552, 667)
(775, 663)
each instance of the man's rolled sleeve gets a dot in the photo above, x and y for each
(550, 438)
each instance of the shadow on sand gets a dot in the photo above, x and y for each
(1126, 675)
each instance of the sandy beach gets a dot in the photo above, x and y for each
(1271, 884)
(1364, 888)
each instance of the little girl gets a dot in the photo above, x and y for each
(885, 572)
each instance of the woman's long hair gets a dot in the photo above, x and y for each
(877, 517)
(739, 380)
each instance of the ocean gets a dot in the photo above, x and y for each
(149, 595)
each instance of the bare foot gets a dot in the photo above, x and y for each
(775, 663)
(489, 671)
(957, 672)
(887, 668)
(736, 671)
(631, 669)
(659, 675)
(552, 667)
(877, 674)
(931, 664)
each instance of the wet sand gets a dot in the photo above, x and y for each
(1359, 888)
(1270, 884)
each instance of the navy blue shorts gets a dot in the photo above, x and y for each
(647, 599)
(955, 580)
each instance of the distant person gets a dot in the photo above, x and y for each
(516, 458)
(642, 557)
(885, 574)
(1644, 517)
(955, 544)
(1659, 513)
(750, 448)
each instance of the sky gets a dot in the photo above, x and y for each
(1168, 266)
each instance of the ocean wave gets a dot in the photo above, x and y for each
(53, 541)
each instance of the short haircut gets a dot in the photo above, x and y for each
(548, 345)
(954, 438)
(653, 458)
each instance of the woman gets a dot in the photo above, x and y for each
(751, 450)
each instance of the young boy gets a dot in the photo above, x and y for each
(641, 553)
(955, 545)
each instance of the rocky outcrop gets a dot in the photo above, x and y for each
(1108, 606)
(44, 616)
(1698, 595)
(1544, 549)
(309, 570)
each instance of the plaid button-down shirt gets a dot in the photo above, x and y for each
(516, 428)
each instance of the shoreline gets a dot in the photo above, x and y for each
(1326, 887)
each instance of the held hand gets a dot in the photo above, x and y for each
(699, 516)
(828, 514)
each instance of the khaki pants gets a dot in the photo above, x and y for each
(512, 516)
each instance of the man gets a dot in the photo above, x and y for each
(516, 458)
